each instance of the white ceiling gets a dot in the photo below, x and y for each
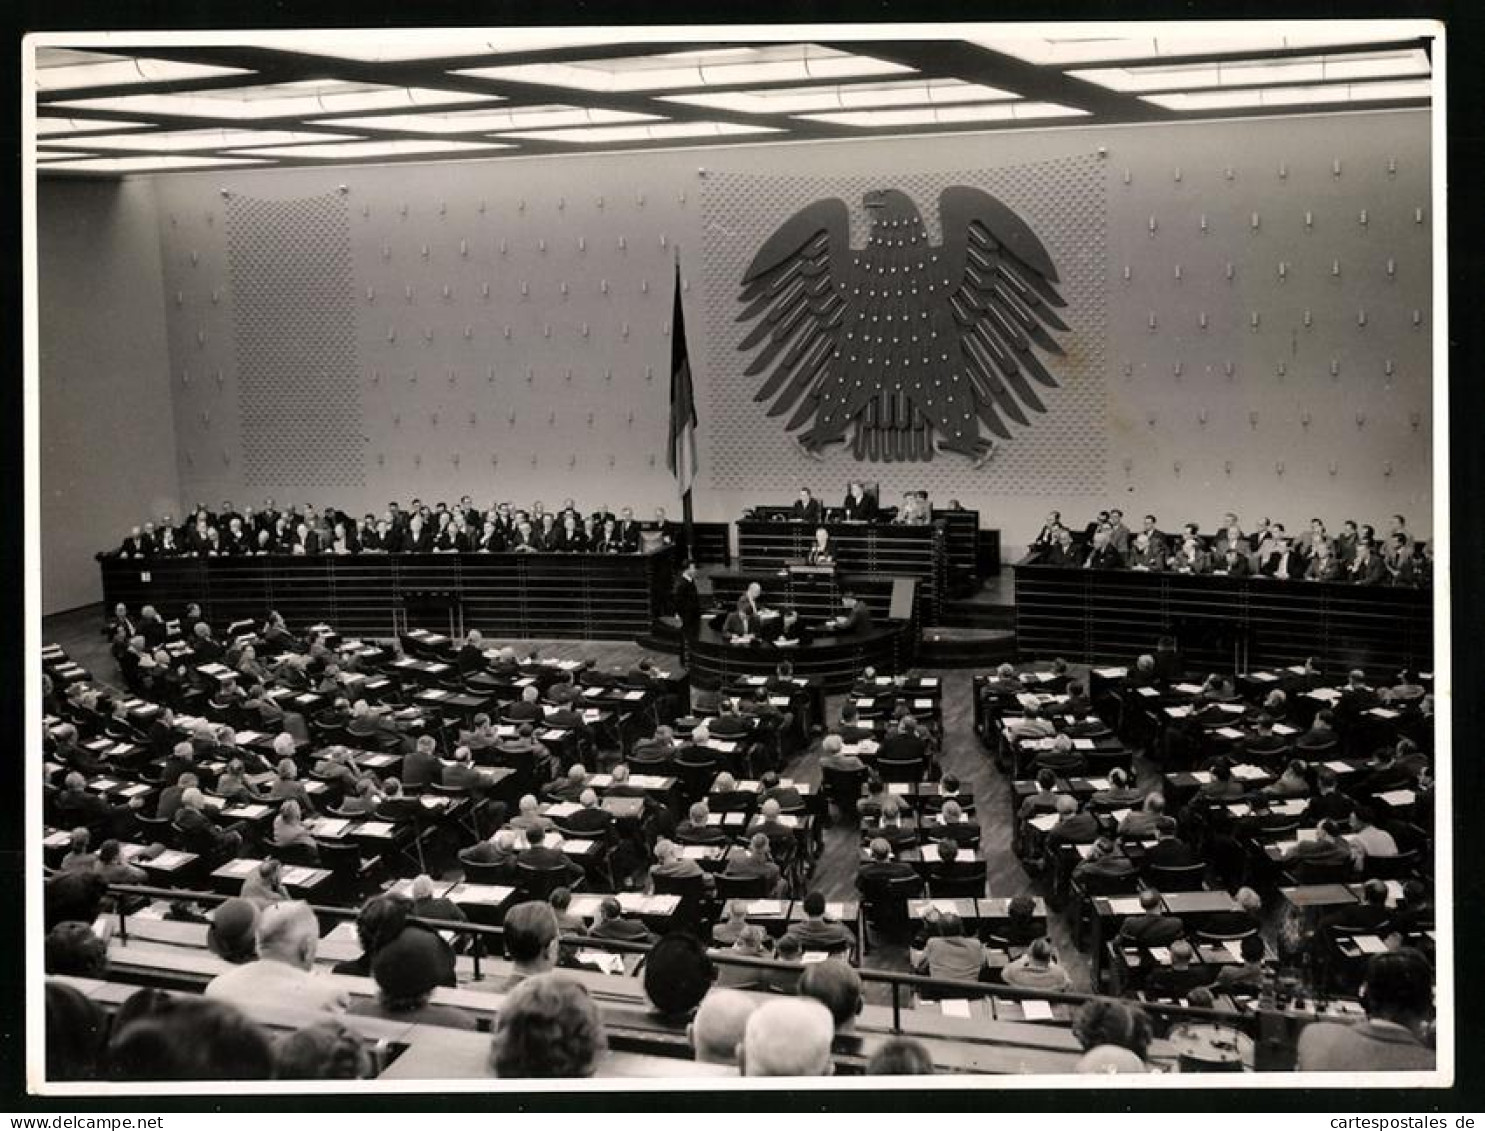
(315, 98)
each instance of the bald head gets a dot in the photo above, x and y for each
(718, 1028)
(289, 932)
(788, 1037)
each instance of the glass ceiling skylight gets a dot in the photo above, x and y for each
(1172, 42)
(60, 69)
(49, 127)
(728, 66)
(948, 115)
(180, 140)
(348, 150)
(296, 99)
(468, 121)
(664, 131)
(1275, 96)
(1259, 72)
(408, 47)
(148, 164)
(798, 99)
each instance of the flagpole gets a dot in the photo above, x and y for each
(687, 518)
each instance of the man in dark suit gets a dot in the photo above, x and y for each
(1234, 563)
(859, 506)
(817, 932)
(880, 868)
(461, 772)
(422, 767)
(471, 657)
(427, 905)
(806, 508)
(591, 821)
(1103, 554)
(905, 743)
(541, 858)
(1170, 851)
(1061, 552)
(1152, 927)
(526, 709)
(697, 829)
(856, 619)
(611, 924)
(628, 531)
(687, 600)
(1367, 568)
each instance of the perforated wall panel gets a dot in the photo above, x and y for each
(1062, 453)
(294, 328)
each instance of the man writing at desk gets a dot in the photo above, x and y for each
(745, 622)
(856, 619)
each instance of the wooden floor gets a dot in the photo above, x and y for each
(963, 756)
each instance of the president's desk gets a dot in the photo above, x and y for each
(835, 659)
(509, 595)
(1220, 622)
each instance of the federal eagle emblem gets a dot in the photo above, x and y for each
(905, 345)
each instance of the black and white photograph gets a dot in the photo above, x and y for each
(887, 556)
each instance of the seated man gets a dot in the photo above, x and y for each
(288, 936)
(757, 862)
(540, 858)
(880, 868)
(1398, 996)
(697, 829)
(817, 932)
(947, 952)
(591, 820)
(832, 756)
(611, 924)
(1180, 977)
(1151, 927)
(671, 866)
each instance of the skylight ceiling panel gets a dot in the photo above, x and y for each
(683, 69)
(298, 99)
(178, 141)
(364, 149)
(408, 47)
(1287, 71)
(1291, 96)
(56, 127)
(113, 70)
(948, 115)
(163, 163)
(467, 121)
(799, 100)
(1168, 42)
(664, 131)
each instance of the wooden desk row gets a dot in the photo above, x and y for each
(1094, 615)
(584, 596)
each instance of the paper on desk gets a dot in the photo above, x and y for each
(1035, 1009)
(604, 961)
(929, 681)
(1147, 692)
(860, 703)
(1230, 732)
(1160, 954)
(1398, 797)
(1189, 688)
(1264, 677)
(1083, 744)
(1284, 729)
(1338, 767)
(766, 907)
(1099, 783)
(1125, 905)
(297, 874)
(1369, 944)
(955, 1007)
(1178, 712)
(1306, 834)
(1245, 772)
(562, 808)
(1384, 712)
(1045, 823)
(1111, 673)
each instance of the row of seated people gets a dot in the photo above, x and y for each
(860, 504)
(1356, 554)
(406, 972)
(417, 529)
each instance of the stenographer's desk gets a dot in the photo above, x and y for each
(835, 659)
(1220, 622)
(522, 596)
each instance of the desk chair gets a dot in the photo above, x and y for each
(909, 770)
(1399, 866)
(1314, 872)
(1100, 762)
(693, 911)
(969, 885)
(696, 778)
(539, 883)
(843, 787)
(307, 855)
(351, 874)
(485, 873)
(1185, 877)
(741, 887)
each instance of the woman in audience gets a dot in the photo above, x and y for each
(289, 830)
(190, 1038)
(380, 920)
(548, 1028)
(323, 1051)
(75, 1028)
(288, 786)
(264, 885)
(1115, 1036)
(900, 1056)
(1037, 969)
(407, 971)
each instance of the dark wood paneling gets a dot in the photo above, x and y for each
(1095, 616)
(835, 660)
(595, 597)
